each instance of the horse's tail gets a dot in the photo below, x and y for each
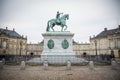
(48, 27)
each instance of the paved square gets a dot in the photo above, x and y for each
(59, 73)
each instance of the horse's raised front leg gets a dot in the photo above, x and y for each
(65, 27)
(52, 27)
(62, 28)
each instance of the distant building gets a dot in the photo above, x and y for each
(12, 43)
(81, 48)
(106, 42)
(35, 49)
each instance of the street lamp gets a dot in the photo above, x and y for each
(20, 46)
(95, 41)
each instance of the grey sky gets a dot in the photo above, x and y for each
(87, 17)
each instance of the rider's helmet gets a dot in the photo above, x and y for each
(57, 12)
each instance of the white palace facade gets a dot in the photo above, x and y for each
(106, 42)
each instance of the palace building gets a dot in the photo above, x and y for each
(106, 42)
(81, 48)
(12, 43)
(35, 49)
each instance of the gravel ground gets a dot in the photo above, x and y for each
(59, 73)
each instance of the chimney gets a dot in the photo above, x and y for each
(13, 29)
(105, 29)
(90, 37)
(22, 36)
(26, 37)
(6, 28)
(119, 27)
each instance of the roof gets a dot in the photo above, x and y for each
(111, 32)
(10, 33)
(106, 33)
(74, 42)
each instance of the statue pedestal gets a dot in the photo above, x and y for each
(57, 47)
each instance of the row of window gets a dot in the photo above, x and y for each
(112, 44)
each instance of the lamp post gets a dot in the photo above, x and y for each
(20, 46)
(95, 41)
(26, 54)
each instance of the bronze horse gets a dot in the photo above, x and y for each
(62, 22)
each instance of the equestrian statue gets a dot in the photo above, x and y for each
(60, 20)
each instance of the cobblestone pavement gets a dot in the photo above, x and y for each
(59, 73)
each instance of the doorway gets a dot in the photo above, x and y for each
(84, 54)
(31, 54)
(112, 54)
(119, 53)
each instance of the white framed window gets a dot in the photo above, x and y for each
(10, 46)
(4, 44)
(112, 44)
(119, 43)
(14, 46)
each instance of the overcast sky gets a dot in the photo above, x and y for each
(86, 17)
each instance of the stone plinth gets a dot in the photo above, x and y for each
(59, 39)
(56, 46)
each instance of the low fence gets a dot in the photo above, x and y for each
(16, 59)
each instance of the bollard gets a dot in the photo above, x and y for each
(114, 65)
(45, 64)
(22, 66)
(1, 65)
(91, 65)
(68, 67)
(3, 61)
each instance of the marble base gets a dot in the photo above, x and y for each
(58, 38)
(60, 49)
(58, 53)
(58, 60)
